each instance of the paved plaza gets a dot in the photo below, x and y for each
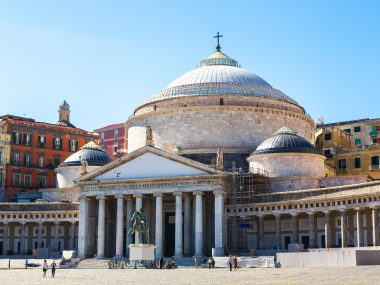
(343, 275)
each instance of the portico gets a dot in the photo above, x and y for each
(177, 195)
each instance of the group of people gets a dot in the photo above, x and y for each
(232, 262)
(210, 261)
(170, 264)
(45, 267)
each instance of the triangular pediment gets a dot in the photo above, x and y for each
(148, 162)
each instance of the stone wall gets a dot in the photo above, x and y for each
(281, 184)
(61, 194)
(215, 126)
(343, 180)
(290, 164)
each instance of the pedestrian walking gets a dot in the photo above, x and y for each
(44, 268)
(161, 262)
(230, 262)
(235, 262)
(53, 267)
(212, 262)
(209, 263)
(195, 262)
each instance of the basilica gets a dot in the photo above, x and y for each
(220, 161)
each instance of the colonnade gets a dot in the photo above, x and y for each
(43, 237)
(182, 222)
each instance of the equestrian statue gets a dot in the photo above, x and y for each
(140, 226)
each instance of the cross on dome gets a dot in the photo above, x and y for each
(217, 37)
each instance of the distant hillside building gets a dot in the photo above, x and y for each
(114, 139)
(36, 148)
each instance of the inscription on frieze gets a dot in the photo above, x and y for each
(146, 185)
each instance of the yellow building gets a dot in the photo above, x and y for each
(5, 150)
(345, 154)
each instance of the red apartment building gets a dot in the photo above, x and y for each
(114, 139)
(37, 148)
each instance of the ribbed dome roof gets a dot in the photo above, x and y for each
(219, 75)
(285, 140)
(94, 155)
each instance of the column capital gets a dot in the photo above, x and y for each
(196, 193)
(218, 192)
(84, 198)
(374, 207)
(358, 209)
(276, 215)
(158, 194)
(294, 214)
(260, 216)
(327, 212)
(310, 213)
(177, 193)
(342, 211)
(56, 222)
(73, 222)
(119, 196)
(138, 195)
(100, 197)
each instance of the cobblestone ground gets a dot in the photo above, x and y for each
(347, 275)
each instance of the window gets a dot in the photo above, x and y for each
(41, 141)
(328, 137)
(116, 134)
(358, 141)
(41, 162)
(327, 151)
(27, 139)
(73, 145)
(41, 181)
(1, 156)
(357, 162)
(27, 180)
(221, 102)
(102, 136)
(374, 160)
(16, 179)
(347, 131)
(115, 147)
(27, 159)
(342, 164)
(16, 138)
(357, 129)
(57, 143)
(16, 158)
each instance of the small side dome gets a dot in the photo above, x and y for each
(285, 140)
(91, 152)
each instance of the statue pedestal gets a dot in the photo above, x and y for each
(141, 251)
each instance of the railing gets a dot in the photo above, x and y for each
(374, 167)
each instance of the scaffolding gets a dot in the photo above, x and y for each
(244, 184)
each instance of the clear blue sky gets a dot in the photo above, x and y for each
(107, 57)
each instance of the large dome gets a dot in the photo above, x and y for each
(219, 75)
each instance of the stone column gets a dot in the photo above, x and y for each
(260, 232)
(278, 231)
(22, 239)
(83, 227)
(219, 210)
(311, 230)
(198, 223)
(343, 228)
(359, 228)
(295, 228)
(139, 202)
(72, 235)
(159, 225)
(186, 224)
(56, 235)
(5, 238)
(39, 235)
(374, 226)
(327, 230)
(178, 224)
(128, 222)
(119, 225)
(101, 226)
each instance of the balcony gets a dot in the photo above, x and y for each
(342, 170)
(374, 167)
